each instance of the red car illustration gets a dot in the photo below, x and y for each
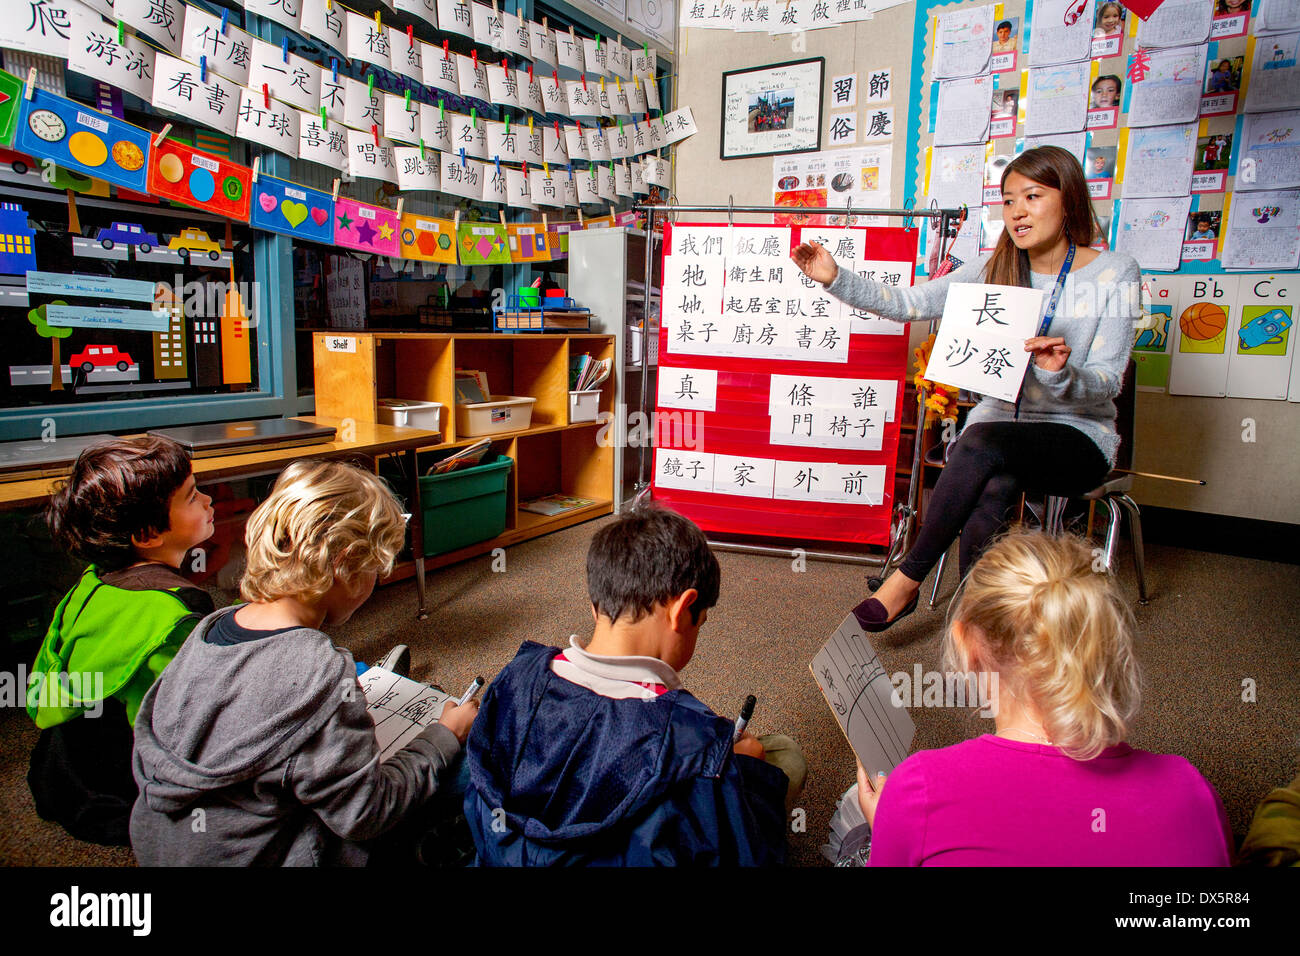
(101, 356)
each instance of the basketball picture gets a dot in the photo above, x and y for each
(1203, 326)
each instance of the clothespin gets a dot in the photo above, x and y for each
(582, 224)
(555, 75)
(573, 36)
(378, 25)
(442, 112)
(336, 190)
(546, 223)
(473, 116)
(462, 156)
(501, 214)
(401, 204)
(257, 167)
(602, 86)
(422, 149)
(474, 56)
(620, 126)
(266, 95)
(31, 83)
(410, 37)
(507, 119)
(530, 74)
(324, 120)
(584, 82)
(547, 167)
(597, 42)
(612, 213)
(334, 66)
(619, 84)
(370, 85)
(525, 170)
(504, 68)
(225, 19)
(374, 131)
(570, 174)
(497, 159)
(284, 48)
(455, 223)
(162, 134)
(406, 104)
(646, 49)
(530, 124)
(121, 33)
(203, 70)
(446, 51)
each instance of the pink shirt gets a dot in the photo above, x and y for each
(998, 802)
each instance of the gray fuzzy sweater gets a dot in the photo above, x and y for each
(262, 753)
(1096, 313)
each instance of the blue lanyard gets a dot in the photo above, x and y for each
(1051, 305)
(1056, 292)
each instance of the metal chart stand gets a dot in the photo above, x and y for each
(901, 527)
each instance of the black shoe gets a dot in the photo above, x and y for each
(871, 614)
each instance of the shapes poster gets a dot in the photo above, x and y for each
(202, 180)
(529, 242)
(292, 210)
(428, 240)
(11, 98)
(483, 244)
(83, 140)
(367, 228)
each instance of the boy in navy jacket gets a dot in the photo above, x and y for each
(596, 755)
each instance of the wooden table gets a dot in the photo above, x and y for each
(363, 439)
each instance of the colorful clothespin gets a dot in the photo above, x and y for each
(530, 124)
(203, 70)
(422, 149)
(374, 131)
(442, 112)
(324, 120)
(334, 66)
(474, 56)
(530, 73)
(284, 48)
(410, 37)
(336, 190)
(257, 167)
(401, 204)
(555, 75)
(547, 167)
(266, 95)
(446, 49)
(121, 33)
(619, 84)
(584, 82)
(225, 19)
(162, 134)
(370, 85)
(597, 42)
(620, 126)
(378, 25)
(473, 116)
(407, 101)
(504, 67)
(498, 162)
(557, 128)
(462, 156)
(507, 119)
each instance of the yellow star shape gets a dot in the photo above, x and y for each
(385, 232)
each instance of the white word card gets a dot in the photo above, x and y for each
(981, 340)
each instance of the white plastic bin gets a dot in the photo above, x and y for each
(410, 413)
(505, 413)
(584, 406)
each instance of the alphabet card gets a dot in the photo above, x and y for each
(202, 180)
(292, 210)
(367, 228)
(1260, 345)
(1205, 307)
(981, 340)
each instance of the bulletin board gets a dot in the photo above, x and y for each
(1204, 95)
(779, 406)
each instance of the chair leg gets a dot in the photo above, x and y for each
(938, 577)
(1139, 557)
(1112, 531)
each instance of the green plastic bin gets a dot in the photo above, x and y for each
(464, 507)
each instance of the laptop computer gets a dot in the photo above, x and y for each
(20, 460)
(237, 438)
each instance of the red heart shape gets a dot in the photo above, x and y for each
(319, 216)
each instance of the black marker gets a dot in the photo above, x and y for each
(746, 712)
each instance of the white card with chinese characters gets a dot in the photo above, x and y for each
(981, 340)
(693, 388)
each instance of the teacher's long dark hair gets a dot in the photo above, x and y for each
(1056, 168)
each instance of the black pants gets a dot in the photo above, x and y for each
(991, 465)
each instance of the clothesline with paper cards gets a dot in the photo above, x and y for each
(777, 17)
(789, 400)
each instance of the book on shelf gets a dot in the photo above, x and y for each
(555, 504)
(467, 457)
(471, 387)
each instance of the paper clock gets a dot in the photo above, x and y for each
(82, 139)
(292, 210)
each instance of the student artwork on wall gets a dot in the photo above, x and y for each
(199, 179)
(366, 228)
(427, 239)
(292, 210)
(82, 139)
(483, 244)
(772, 109)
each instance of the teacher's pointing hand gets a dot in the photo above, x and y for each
(815, 262)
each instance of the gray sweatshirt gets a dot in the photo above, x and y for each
(262, 753)
(1095, 316)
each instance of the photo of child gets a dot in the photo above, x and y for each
(1224, 76)
(1231, 8)
(1212, 152)
(1099, 162)
(1110, 20)
(1106, 91)
(1005, 34)
(1005, 103)
(1203, 225)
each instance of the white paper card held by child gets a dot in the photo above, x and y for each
(860, 694)
(981, 341)
(401, 708)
